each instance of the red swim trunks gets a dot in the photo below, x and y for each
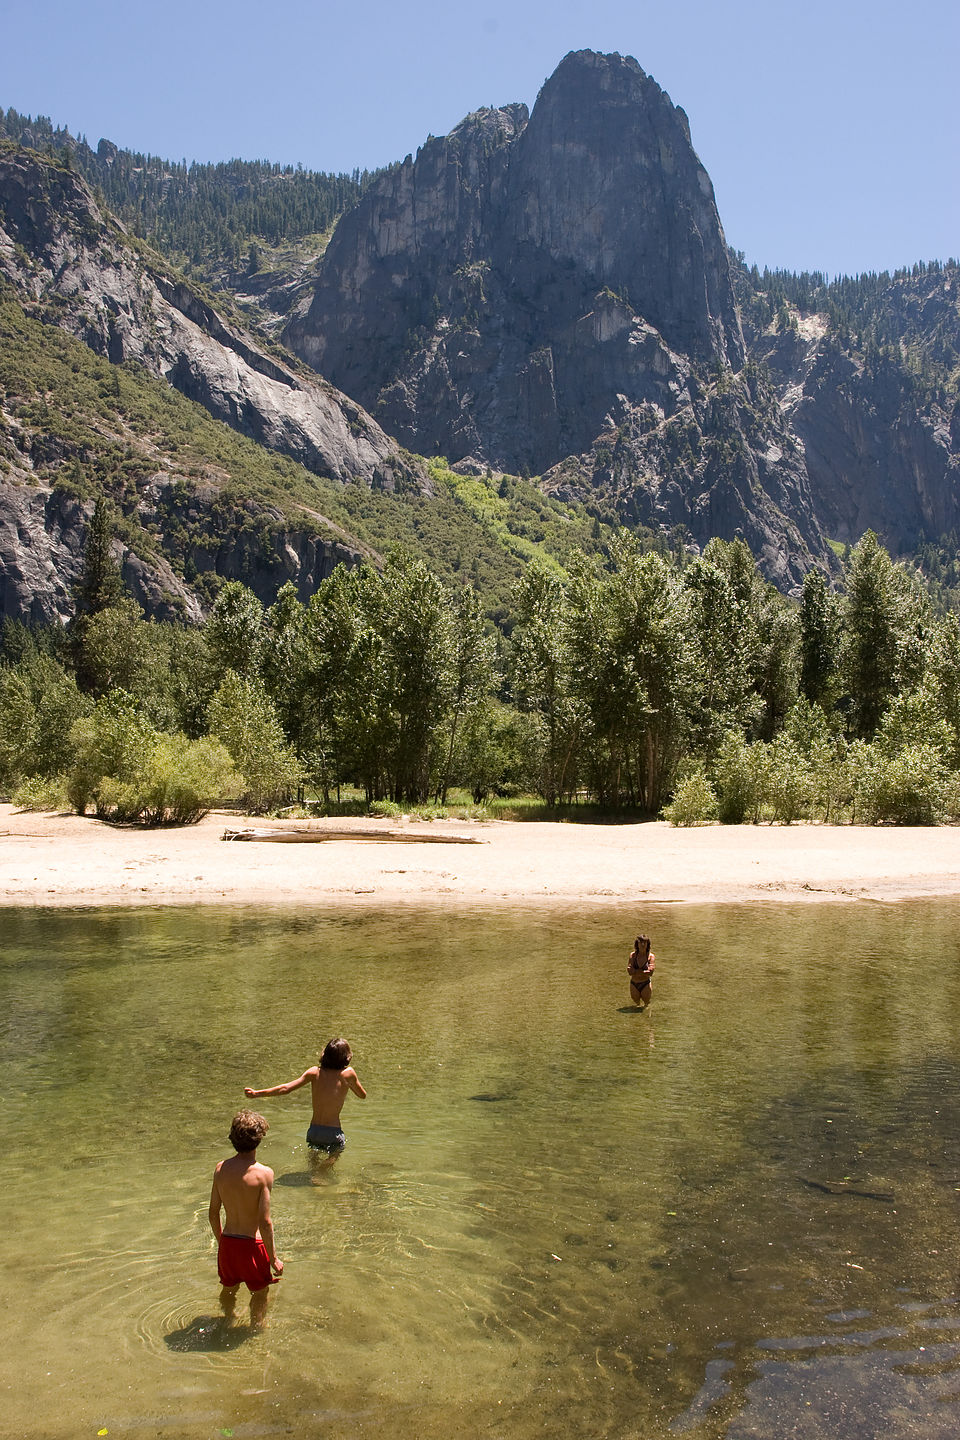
(244, 1259)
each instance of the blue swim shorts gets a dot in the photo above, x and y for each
(329, 1138)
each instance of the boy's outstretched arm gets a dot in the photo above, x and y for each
(353, 1080)
(252, 1094)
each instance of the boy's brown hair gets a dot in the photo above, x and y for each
(336, 1056)
(247, 1130)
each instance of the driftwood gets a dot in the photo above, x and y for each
(295, 836)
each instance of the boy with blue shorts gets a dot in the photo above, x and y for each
(329, 1083)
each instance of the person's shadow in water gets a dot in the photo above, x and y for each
(209, 1333)
(294, 1177)
(322, 1171)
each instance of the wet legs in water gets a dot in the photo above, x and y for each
(641, 995)
(322, 1163)
(258, 1305)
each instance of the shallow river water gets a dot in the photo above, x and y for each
(733, 1215)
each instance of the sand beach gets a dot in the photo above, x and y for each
(69, 860)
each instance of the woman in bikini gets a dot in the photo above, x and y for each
(640, 968)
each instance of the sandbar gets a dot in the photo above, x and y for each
(71, 860)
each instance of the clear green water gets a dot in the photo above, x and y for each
(635, 1234)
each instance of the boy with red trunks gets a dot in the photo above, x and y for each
(246, 1251)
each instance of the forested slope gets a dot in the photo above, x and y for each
(197, 504)
(867, 372)
(844, 418)
(213, 219)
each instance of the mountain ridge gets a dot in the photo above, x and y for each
(536, 292)
(694, 398)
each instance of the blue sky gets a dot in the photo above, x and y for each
(830, 131)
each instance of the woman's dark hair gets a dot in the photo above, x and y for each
(336, 1056)
(642, 945)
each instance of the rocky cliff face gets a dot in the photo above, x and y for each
(530, 286)
(873, 408)
(43, 533)
(724, 463)
(464, 296)
(60, 251)
(545, 291)
(71, 265)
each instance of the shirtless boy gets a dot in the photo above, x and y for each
(246, 1252)
(329, 1081)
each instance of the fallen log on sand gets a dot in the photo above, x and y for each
(297, 836)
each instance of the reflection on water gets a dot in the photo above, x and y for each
(731, 1215)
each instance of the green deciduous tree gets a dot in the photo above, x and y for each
(819, 640)
(632, 672)
(501, 750)
(541, 679)
(942, 681)
(39, 704)
(18, 729)
(885, 632)
(235, 630)
(738, 773)
(335, 677)
(788, 788)
(818, 739)
(244, 719)
(723, 594)
(122, 650)
(415, 673)
(283, 666)
(470, 675)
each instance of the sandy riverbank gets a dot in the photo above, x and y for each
(68, 860)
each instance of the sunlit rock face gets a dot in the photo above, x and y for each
(71, 264)
(499, 293)
(881, 439)
(59, 250)
(552, 293)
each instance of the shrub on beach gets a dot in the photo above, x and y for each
(177, 783)
(789, 788)
(131, 772)
(42, 792)
(694, 802)
(184, 778)
(111, 743)
(738, 782)
(902, 789)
